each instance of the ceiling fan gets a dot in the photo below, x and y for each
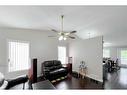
(62, 35)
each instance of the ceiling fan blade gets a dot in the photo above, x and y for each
(54, 30)
(71, 37)
(67, 33)
(73, 31)
(52, 36)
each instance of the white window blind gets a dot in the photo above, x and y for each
(62, 54)
(123, 56)
(106, 53)
(18, 56)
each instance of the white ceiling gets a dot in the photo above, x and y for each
(109, 21)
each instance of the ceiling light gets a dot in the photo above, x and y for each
(65, 38)
(61, 38)
(62, 34)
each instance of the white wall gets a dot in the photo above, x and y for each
(90, 51)
(41, 47)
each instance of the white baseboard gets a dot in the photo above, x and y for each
(94, 77)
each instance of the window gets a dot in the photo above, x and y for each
(18, 56)
(123, 57)
(106, 53)
(62, 54)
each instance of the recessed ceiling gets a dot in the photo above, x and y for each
(89, 21)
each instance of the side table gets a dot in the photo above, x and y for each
(69, 67)
(82, 71)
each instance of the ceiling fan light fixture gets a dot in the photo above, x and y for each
(62, 35)
(61, 38)
(65, 38)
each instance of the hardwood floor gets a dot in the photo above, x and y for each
(77, 83)
(70, 82)
(117, 80)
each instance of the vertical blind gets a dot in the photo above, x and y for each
(18, 56)
(62, 54)
(123, 56)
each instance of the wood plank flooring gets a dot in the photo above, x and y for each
(77, 83)
(117, 80)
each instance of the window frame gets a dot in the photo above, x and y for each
(21, 41)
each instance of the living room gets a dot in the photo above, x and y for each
(43, 35)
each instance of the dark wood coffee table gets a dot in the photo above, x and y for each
(46, 84)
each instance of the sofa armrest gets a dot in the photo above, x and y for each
(65, 67)
(4, 86)
(46, 71)
(16, 81)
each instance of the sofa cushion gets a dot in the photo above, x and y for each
(58, 71)
(51, 68)
(58, 66)
(1, 79)
(52, 65)
(56, 62)
(48, 63)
